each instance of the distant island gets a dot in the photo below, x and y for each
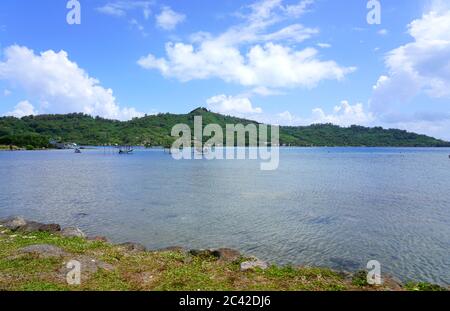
(154, 130)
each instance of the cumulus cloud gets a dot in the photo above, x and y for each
(169, 19)
(22, 109)
(59, 84)
(232, 105)
(344, 115)
(421, 66)
(269, 65)
(249, 54)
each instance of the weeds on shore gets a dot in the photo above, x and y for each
(157, 270)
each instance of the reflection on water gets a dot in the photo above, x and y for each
(337, 207)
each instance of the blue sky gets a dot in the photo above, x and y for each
(289, 62)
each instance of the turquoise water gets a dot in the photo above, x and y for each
(335, 207)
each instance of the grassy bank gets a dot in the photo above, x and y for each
(113, 267)
(9, 148)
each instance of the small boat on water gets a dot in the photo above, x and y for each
(126, 150)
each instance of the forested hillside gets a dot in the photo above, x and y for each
(37, 131)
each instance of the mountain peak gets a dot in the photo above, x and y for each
(199, 110)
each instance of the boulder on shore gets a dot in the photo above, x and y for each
(43, 251)
(88, 266)
(13, 223)
(32, 226)
(133, 247)
(223, 254)
(226, 254)
(253, 264)
(22, 225)
(72, 232)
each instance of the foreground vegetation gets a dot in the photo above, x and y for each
(36, 131)
(117, 267)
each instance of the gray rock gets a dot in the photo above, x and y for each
(13, 223)
(253, 264)
(226, 254)
(392, 283)
(133, 247)
(173, 249)
(71, 232)
(43, 251)
(88, 266)
(32, 226)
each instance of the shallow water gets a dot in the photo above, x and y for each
(335, 207)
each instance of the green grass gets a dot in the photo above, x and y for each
(169, 270)
(422, 286)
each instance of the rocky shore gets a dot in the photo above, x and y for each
(35, 256)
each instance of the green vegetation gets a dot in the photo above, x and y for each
(155, 130)
(9, 147)
(421, 286)
(360, 279)
(153, 270)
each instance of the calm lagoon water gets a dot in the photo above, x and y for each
(335, 207)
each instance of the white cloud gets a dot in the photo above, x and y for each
(296, 10)
(120, 8)
(249, 54)
(232, 105)
(324, 45)
(295, 33)
(344, 115)
(59, 84)
(421, 66)
(270, 65)
(6, 92)
(264, 91)
(22, 109)
(138, 26)
(169, 19)
(436, 124)
(383, 32)
(287, 118)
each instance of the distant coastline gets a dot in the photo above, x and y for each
(36, 132)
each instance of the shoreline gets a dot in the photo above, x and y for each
(171, 268)
(18, 149)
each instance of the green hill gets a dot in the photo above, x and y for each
(155, 130)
